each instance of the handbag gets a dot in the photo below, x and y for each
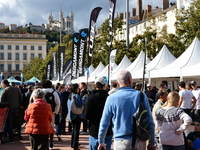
(76, 110)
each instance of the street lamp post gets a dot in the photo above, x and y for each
(127, 24)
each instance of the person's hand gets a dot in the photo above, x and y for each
(178, 132)
(190, 142)
(151, 147)
(86, 95)
(102, 146)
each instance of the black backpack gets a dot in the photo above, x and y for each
(49, 98)
(141, 126)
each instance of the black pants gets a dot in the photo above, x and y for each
(75, 132)
(63, 120)
(39, 141)
(187, 111)
(84, 125)
(195, 114)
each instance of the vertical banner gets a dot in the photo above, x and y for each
(1, 76)
(111, 17)
(75, 51)
(54, 66)
(67, 65)
(22, 78)
(83, 44)
(92, 26)
(112, 4)
(111, 64)
(48, 70)
(61, 57)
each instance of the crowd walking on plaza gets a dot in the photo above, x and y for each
(106, 114)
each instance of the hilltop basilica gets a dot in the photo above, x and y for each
(66, 24)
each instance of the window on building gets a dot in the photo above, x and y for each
(9, 56)
(9, 67)
(17, 67)
(32, 55)
(24, 65)
(17, 56)
(9, 47)
(1, 46)
(24, 56)
(17, 47)
(1, 67)
(32, 47)
(39, 55)
(24, 47)
(39, 47)
(2, 56)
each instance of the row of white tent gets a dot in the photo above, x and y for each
(163, 65)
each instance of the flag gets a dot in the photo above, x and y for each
(75, 51)
(83, 33)
(22, 78)
(54, 67)
(61, 57)
(67, 65)
(111, 17)
(48, 70)
(112, 59)
(1, 76)
(92, 26)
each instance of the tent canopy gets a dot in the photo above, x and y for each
(122, 66)
(163, 58)
(32, 81)
(12, 79)
(92, 76)
(188, 58)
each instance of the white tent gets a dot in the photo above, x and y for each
(122, 66)
(188, 58)
(163, 58)
(92, 76)
(191, 71)
(104, 72)
(83, 78)
(138, 63)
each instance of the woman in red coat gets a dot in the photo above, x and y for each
(38, 117)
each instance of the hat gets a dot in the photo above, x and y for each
(193, 82)
(69, 83)
(101, 80)
(148, 84)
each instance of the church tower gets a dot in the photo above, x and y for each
(50, 19)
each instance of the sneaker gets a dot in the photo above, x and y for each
(10, 141)
(59, 138)
(83, 133)
(51, 145)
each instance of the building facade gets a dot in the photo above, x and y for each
(65, 24)
(16, 51)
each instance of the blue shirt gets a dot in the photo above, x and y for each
(120, 107)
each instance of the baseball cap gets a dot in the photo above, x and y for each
(101, 80)
(148, 84)
(193, 82)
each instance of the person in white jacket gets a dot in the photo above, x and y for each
(172, 122)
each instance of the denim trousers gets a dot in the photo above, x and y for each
(93, 142)
(170, 147)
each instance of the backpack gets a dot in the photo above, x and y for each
(49, 98)
(141, 126)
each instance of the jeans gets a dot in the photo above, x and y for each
(93, 143)
(170, 147)
(9, 122)
(58, 124)
(75, 132)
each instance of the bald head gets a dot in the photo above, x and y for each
(124, 78)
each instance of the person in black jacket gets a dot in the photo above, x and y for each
(93, 111)
(27, 96)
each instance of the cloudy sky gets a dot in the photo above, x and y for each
(22, 12)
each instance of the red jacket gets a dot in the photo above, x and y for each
(39, 117)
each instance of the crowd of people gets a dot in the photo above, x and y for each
(106, 114)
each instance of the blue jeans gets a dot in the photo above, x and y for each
(93, 142)
(170, 147)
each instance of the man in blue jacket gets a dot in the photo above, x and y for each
(120, 107)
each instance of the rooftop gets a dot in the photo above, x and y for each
(22, 36)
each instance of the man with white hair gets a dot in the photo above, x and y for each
(120, 107)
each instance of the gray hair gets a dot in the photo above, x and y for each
(38, 93)
(123, 77)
